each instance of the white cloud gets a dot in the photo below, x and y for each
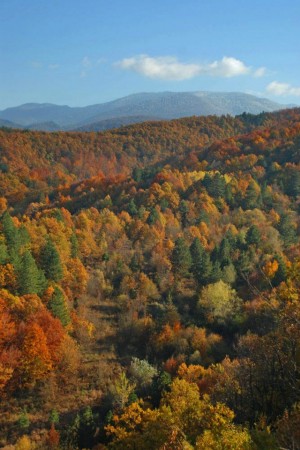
(277, 88)
(53, 66)
(260, 72)
(162, 67)
(169, 68)
(226, 67)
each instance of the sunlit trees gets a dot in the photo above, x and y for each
(219, 302)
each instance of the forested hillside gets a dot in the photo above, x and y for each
(149, 286)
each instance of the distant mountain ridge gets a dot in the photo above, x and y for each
(136, 108)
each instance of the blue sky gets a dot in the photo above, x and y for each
(81, 52)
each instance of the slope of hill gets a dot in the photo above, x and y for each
(9, 124)
(165, 105)
(44, 126)
(108, 124)
(148, 267)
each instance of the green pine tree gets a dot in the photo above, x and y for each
(181, 258)
(86, 429)
(132, 208)
(11, 232)
(50, 262)
(23, 420)
(253, 235)
(153, 216)
(54, 417)
(58, 307)
(201, 264)
(251, 197)
(3, 252)
(216, 273)
(287, 230)
(224, 252)
(281, 273)
(184, 209)
(31, 279)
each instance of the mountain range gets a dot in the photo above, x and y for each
(134, 108)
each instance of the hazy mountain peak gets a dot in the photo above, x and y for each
(163, 105)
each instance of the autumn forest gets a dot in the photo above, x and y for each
(149, 286)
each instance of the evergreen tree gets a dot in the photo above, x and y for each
(132, 208)
(253, 235)
(293, 184)
(58, 307)
(71, 436)
(224, 252)
(24, 421)
(251, 197)
(203, 217)
(31, 279)
(50, 262)
(12, 238)
(3, 252)
(87, 429)
(153, 216)
(24, 237)
(201, 264)
(231, 239)
(183, 209)
(266, 194)
(164, 204)
(134, 264)
(244, 262)
(54, 417)
(181, 258)
(287, 230)
(137, 174)
(218, 186)
(215, 186)
(170, 314)
(216, 273)
(229, 198)
(11, 232)
(281, 273)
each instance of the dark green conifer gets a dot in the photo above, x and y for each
(58, 307)
(251, 197)
(281, 273)
(224, 252)
(253, 235)
(87, 429)
(24, 421)
(201, 264)
(50, 262)
(216, 273)
(287, 230)
(183, 209)
(31, 279)
(11, 234)
(132, 208)
(3, 252)
(153, 216)
(181, 258)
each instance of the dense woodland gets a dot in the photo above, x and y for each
(149, 286)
